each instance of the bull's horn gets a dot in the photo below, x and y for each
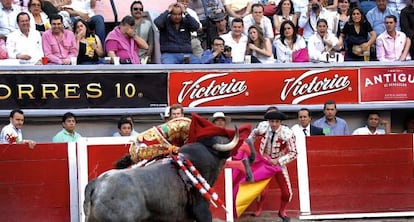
(229, 146)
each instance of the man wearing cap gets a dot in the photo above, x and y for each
(219, 53)
(278, 146)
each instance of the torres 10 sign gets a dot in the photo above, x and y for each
(238, 88)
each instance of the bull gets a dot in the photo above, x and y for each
(158, 192)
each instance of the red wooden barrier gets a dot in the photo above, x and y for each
(361, 174)
(34, 184)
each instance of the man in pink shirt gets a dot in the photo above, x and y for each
(392, 45)
(59, 44)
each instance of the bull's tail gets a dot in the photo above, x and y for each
(87, 203)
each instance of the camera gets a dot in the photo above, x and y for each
(227, 48)
(315, 7)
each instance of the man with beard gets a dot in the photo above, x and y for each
(59, 44)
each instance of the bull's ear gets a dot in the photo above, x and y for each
(124, 162)
(229, 146)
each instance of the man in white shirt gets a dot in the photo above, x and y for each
(12, 133)
(24, 43)
(8, 15)
(304, 126)
(373, 122)
(257, 18)
(236, 40)
(308, 21)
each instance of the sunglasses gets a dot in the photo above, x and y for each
(138, 9)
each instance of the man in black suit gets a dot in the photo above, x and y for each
(304, 126)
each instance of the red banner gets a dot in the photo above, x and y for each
(387, 84)
(195, 89)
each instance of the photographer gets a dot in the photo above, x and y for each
(308, 21)
(219, 53)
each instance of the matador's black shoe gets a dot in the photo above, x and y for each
(284, 218)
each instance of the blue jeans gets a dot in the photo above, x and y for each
(178, 58)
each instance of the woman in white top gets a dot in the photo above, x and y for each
(322, 41)
(259, 46)
(288, 42)
(38, 19)
(285, 11)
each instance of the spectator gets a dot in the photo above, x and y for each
(308, 21)
(237, 8)
(279, 148)
(143, 28)
(366, 5)
(90, 45)
(12, 133)
(206, 10)
(51, 7)
(175, 26)
(330, 123)
(25, 44)
(285, 11)
(355, 35)
(124, 127)
(409, 124)
(84, 9)
(257, 18)
(59, 45)
(8, 15)
(218, 26)
(288, 42)
(129, 118)
(122, 42)
(393, 45)
(38, 19)
(304, 127)
(331, 5)
(407, 24)
(236, 40)
(259, 47)
(376, 16)
(68, 133)
(322, 41)
(176, 110)
(373, 122)
(342, 16)
(218, 54)
(398, 5)
(195, 42)
(3, 50)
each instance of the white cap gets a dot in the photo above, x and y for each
(219, 115)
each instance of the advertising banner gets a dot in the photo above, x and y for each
(98, 90)
(387, 84)
(197, 89)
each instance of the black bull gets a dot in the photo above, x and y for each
(158, 192)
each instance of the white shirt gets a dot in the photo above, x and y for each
(284, 53)
(365, 131)
(18, 43)
(298, 130)
(82, 6)
(8, 21)
(238, 48)
(10, 130)
(309, 23)
(316, 46)
(265, 24)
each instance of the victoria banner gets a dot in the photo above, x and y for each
(263, 87)
(392, 84)
(97, 90)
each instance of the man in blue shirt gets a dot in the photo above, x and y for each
(330, 123)
(376, 16)
(219, 53)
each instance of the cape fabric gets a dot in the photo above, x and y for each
(244, 193)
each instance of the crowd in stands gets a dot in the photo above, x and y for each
(265, 31)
